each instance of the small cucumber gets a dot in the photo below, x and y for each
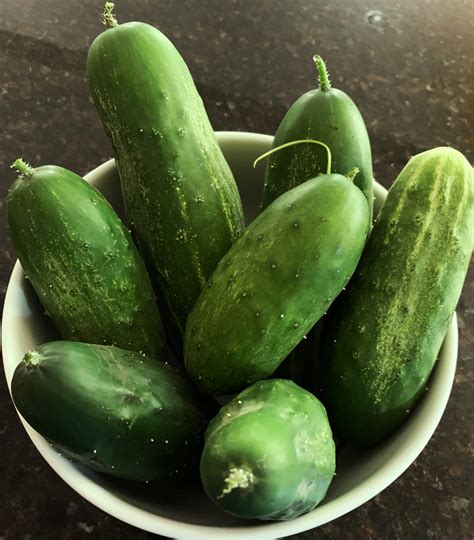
(180, 196)
(116, 411)
(82, 262)
(276, 281)
(382, 337)
(269, 453)
(328, 115)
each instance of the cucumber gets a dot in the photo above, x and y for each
(273, 285)
(180, 196)
(269, 453)
(382, 337)
(116, 411)
(81, 261)
(328, 115)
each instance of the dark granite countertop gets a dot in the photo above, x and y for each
(409, 67)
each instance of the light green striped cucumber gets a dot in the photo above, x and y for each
(82, 262)
(383, 335)
(180, 196)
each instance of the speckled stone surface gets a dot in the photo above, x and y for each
(409, 67)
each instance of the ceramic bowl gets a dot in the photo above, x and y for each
(360, 476)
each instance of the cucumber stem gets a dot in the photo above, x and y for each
(292, 143)
(323, 75)
(24, 168)
(109, 18)
(32, 358)
(350, 175)
(237, 478)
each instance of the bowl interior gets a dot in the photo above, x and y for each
(360, 475)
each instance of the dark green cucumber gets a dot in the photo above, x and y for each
(269, 453)
(82, 262)
(180, 195)
(327, 115)
(116, 411)
(382, 337)
(276, 281)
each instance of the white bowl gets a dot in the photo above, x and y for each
(359, 477)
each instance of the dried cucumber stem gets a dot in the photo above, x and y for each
(323, 75)
(32, 358)
(292, 143)
(237, 478)
(109, 18)
(24, 168)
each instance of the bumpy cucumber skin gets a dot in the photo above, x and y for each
(273, 285)
(180, 196)
(82, 262)
(382, 337)
(329, 116)
(115, 411)
(278, 433)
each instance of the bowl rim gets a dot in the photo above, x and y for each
(146, 520)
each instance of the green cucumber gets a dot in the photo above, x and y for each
(116, 411)
(81, 261)
(328, 115)
(273, 285)
(180, 196)
(269, 453)
(382, 337)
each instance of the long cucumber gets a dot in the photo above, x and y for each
(180, 196)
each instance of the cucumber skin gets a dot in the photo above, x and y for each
(82, 262)
(180, 196)
(116, 411)
(236, 334)
(331, 117)
(382, 337)
(280, 433)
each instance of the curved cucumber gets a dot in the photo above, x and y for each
(276, 281)
(269, 453)
(383, 336)
(180, 196)
(82, 262)
(327, 115)
(115, 411)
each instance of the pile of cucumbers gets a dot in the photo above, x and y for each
(372, 297)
